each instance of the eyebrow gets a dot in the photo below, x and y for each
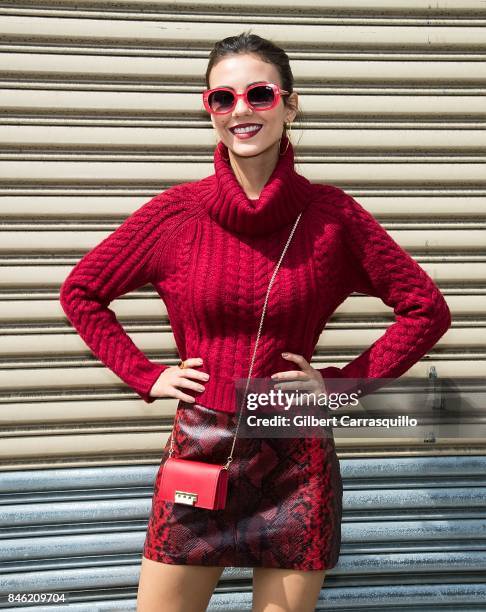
(248, 84)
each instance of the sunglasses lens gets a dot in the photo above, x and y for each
(261, 96)
(221, 101)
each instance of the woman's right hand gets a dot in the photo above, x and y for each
(168, 383)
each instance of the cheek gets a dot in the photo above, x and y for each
(220, 125)
(275, 124)
(276, 117)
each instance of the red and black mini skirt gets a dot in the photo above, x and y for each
(283, 507)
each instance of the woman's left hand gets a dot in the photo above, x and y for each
(306, 379)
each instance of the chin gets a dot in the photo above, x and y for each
(253, 149)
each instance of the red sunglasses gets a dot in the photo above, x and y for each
(259, 96)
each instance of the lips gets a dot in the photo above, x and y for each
(238, 129)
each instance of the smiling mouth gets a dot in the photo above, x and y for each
(246, 129)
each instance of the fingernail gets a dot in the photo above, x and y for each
(285, 354)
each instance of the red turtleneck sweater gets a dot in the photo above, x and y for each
(209, 251)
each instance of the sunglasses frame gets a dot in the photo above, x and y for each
(277, 94)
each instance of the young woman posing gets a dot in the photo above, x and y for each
(209, 248)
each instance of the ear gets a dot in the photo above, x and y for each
(292, 107)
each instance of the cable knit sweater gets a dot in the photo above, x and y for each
(209, 251)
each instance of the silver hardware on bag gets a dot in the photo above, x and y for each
(230, 456)
(182, 497)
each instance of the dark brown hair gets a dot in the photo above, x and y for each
(265, 49)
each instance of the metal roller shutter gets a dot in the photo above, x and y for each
(414, 535)
(101, 110)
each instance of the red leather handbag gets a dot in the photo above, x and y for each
(197, 483)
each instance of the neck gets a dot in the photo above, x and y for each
(283, 196)
(252, 173)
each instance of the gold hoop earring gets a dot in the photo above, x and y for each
(288, 140)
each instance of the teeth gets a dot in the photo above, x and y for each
(246, 129)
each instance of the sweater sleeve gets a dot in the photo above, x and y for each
(378, 266)
(122, 262)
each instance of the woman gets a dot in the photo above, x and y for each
(209, 248)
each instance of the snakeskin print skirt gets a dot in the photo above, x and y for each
(283, 507)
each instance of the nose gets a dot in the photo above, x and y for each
(241, 107)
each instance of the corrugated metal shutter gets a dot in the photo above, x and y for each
(414, 535)
(101, 110)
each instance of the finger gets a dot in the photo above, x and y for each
(190, 373)
(290, 375)
(187, 383)
(192, 362)
(298, 359)
(298, 384)
(182, 396)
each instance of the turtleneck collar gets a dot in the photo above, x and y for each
(284, 196)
